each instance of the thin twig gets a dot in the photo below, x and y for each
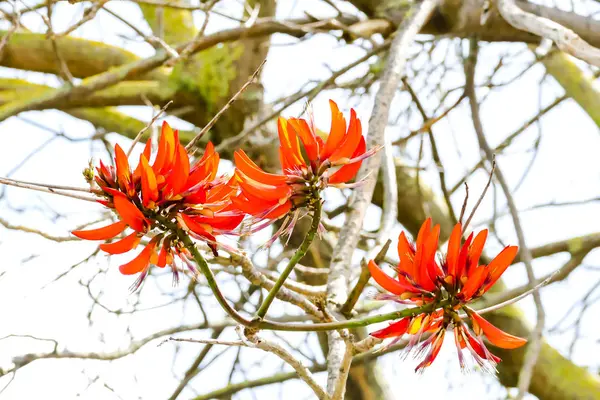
(434, 150)
(15, 24)
(464, 206)
(485, 189)
(45, 235)
(309, 94)
(515, 299)
(47, 189)
(535, 341)
(141, 132)
(509, 139)
(556, 276)
(363, 279)
(192, 143)
(150, 39)
(270, 347)
(8, 181)
(88, 15)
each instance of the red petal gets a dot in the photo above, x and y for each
(261, 190)
(351, 140)
(453, 249)
(139, 263)
(307, 137)
(474, 282)
(278, 211)
(420, 262)
(205, 169)
(336, 132)
(435, 349)
(222, 191)
(149, 186)
(476, 250)
(162, 257)
(479, 348)
(103, 233)
(289, 146)
(496, 336)
(227, 222)
(122, 246)
(166, 147)
(198, 196)
(242, 203)
(129, 213)
(123, 172)
(394, 329)
(249, 168)
(349, 171)
(165, 256)
(387, 282)
(406, 253)
(462, 257)
(180, 172)
(499, 264)
(256, 207)
(146, 153)
(148, 149)
(430, 265)
(195, 226)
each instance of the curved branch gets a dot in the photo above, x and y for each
(84, 58)
(566, 39)
(136, 69)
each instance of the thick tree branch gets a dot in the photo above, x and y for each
(83, 58)
(577, 84)
(566, 39)
(337, 283)
(143, 66)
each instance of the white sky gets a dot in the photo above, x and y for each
(564, 170)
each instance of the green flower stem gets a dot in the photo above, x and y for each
(298, 255)
(292, 327)
(352, 323)
(363, 279)
(204, 268)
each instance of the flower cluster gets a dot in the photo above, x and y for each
(157, 199)
(309, 164)
(454, 282)
(169, 193)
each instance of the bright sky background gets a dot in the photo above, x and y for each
(33, 305)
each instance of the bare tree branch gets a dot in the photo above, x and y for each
(337, 282)
(535, 341)
(566, 39)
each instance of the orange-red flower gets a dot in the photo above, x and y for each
(309, 164)
(457, 281)
(170, 191)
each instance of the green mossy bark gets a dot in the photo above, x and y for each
(174, 26)
(577, 84)
(209, 78)
(84, 58)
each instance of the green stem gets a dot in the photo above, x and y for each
(298, 255)
(204, 268)
(290, 327)
(352, 323)
(363, 279)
